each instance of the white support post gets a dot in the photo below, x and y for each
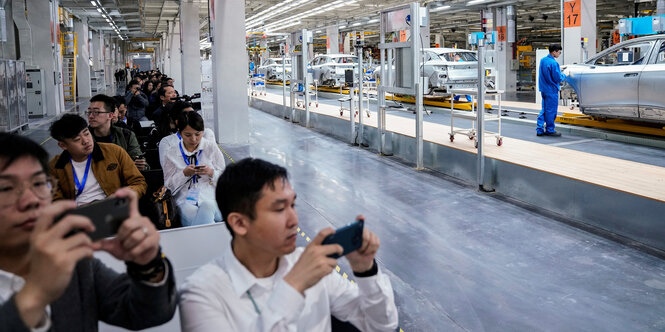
(191, 54)
(83, 88)
(229, 63)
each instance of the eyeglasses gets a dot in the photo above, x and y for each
(12, 190)
(95, 113)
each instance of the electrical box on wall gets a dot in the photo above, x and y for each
(35, 92)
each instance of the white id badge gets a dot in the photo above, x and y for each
(193, 196)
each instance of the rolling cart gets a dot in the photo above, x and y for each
(473, 115)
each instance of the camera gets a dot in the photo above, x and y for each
(188, 100)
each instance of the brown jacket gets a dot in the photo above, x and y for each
(111, 165)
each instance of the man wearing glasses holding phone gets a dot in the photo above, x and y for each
(50, 281)
(100, 113)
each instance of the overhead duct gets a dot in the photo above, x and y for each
(24, 31)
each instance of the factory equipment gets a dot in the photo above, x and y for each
(13, 105)
(35, 92)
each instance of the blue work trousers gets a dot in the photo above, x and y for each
(468, 98)
(545, 123)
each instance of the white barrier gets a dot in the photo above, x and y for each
(187, 248)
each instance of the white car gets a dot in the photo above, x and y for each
(446, 68)
(329, 69)
(272, 69)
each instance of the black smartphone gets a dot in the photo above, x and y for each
(107, 215)
(350, 237)
(199, 167)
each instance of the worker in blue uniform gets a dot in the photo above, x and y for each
(548, 83)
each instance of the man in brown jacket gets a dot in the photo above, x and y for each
(87, 171)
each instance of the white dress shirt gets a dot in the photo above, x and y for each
(10, 284)
(176, 180)
(217, 298)
(168, 141)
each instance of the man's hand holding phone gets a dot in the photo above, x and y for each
(53, 257)
(137, 239)
(314, 263)
(362, 259)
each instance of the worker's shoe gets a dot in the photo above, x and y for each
(540, 134)
(553, 134)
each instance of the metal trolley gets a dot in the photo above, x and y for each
(473, 115)
(258, 84)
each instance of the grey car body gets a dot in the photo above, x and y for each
(272, 69)
(328, 69)
(626, 81)
(443, 72)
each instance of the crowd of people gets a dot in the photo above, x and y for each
(50, 281)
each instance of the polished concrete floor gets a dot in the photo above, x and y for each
(459, 260)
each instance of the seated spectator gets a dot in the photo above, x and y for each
(264, 283)
(136, 101)
(169, 123)
(123, 121)
(191, 169)
(166, 94)
(49, 282)
(148, 87)
(100, 113)
(88, 171)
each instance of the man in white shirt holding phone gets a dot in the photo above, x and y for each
(264, 283)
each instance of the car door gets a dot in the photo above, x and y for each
(610, 86)
(652, 80)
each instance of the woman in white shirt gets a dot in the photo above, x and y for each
(191, 169)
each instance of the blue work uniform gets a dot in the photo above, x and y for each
(548, 84)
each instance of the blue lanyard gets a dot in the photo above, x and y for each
(179, 137)
(81, 185)
(184, 157)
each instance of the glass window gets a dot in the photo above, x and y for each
(455, 56)
(347, 59)
(661, 54)
(631, 54)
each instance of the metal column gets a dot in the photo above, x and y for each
(415, 34)
(480, 111)
(304, 53)
(359, 50)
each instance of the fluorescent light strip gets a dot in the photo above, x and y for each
(440, 8)
(309, 13)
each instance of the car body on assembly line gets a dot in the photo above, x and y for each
(626, 81)
(272, 69)
(443, 71)
(328, 69)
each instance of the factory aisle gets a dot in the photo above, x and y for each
(461, 260)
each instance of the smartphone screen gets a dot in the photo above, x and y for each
(107, 215)
(350, 237)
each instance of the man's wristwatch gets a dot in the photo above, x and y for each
(148, 271)
(371, 272)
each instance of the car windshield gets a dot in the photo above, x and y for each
(279, 61)
(346, 59)
(465, 56)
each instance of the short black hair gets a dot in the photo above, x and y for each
(68, 126)
(554, 48)
(119, 100)
(191, 119)
(132, 83)
(109, 102)
(16, 146)
(162, 89)
(240, 185)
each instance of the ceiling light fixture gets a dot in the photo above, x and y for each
(375, 20)
(438, 9)
(474, 2)
(94, 3)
